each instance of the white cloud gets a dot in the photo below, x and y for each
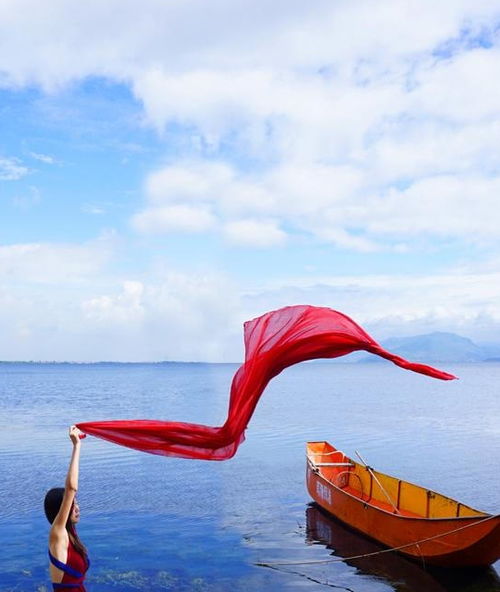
(196, 181)
(47, 263)
(464, 303)
(98, 316)
(339, 105)
(11, 169)
(254, 233)
(309, 116)
(345, 240)
(285, 34)
(45, 158)
(461, 89)
(444, 206)
(337, 204)
(176, 218)
(125, 308)
(422, 149)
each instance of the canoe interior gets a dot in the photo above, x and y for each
(406, 499)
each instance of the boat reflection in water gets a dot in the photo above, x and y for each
(403, 574)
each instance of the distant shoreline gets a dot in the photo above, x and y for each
(365, 360)
(108, 363)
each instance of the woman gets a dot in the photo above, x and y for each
(67, 555)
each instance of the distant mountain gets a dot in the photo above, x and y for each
(439, 347)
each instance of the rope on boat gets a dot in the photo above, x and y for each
(372, 554)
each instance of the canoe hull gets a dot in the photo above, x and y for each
(447, 542)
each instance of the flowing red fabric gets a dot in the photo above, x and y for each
(273, 342)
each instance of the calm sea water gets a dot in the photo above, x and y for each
(156, 523)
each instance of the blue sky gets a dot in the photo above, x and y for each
(171, 169)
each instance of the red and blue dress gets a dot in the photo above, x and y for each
(74, 570)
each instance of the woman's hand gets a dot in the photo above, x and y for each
(75, 435)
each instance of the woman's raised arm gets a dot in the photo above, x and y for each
(71, 484)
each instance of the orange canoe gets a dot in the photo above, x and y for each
(415, 521)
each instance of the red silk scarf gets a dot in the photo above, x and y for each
(273, 342)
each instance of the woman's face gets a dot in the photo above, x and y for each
(75, 513)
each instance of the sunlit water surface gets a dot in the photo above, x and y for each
(156, 523)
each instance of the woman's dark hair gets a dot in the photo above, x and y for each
(52, 504)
